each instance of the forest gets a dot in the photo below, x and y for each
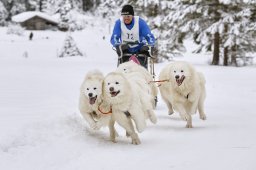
(223, 28)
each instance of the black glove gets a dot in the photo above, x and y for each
(144, 48)
(120, 48)
(124, 47)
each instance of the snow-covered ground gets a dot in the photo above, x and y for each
(41, 127)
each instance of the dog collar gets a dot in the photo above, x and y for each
(109, 112)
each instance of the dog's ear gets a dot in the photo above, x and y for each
(87, 77)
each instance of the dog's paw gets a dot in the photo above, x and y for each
(184, 117)
(98, 125)
(136, 141)
(153, 118)
(127, 134)
(94, 126)
(116, 134)
(113, 135)
(203, 116)
(189, 126)
(170, 112)
(113, 139)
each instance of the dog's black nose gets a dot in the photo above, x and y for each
(111, 89)
(90, 94)
(177, 76)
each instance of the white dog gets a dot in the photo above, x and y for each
(90, 99)
(131, 67)
(184, 90)
(125, 96)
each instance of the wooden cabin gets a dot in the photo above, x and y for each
(34, 20)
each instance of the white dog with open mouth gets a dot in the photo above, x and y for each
(89, 101)
(183, 90)
(125, 97)
(132, 67)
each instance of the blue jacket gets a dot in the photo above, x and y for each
(144, 33)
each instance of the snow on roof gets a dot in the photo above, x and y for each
(30, 14)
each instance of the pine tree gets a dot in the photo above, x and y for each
(65, 8)
(90, 5)
(235, 40)
(50, 6)
(3, 14)
(108, 9)
(212, 23)
(170, 37)
(17, 8)
(70, 48)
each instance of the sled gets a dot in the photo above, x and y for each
(147, 61)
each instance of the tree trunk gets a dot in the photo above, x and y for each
(8, 8)
(233, 55)
(233, 52)
(216, 49)
(225, 53)
(88, 5)
(41, 5)
(225, 62)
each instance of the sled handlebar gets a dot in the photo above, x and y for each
(149, 49)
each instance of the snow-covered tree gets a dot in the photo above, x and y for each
(65, 8)
(233, 30)
(33, 5)
(166, 30)
(50, 6)
(3, 14)
(90, 5)
(70, 12)
(146, 8)
(109, 9)
(187, 18)
(15, 29)
(17, 8)
(216, 25)
(70, 48)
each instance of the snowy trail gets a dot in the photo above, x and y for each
(41, 128)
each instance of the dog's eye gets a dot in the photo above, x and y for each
(182, 71)
(94, 88)
(87, 89)
(174, 71)
(117, 82)
(108, 83)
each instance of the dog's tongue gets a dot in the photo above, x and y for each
(113, 94)
(92, 100)
(180, 81)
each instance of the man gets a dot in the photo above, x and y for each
(131, 34)
(31, 36)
